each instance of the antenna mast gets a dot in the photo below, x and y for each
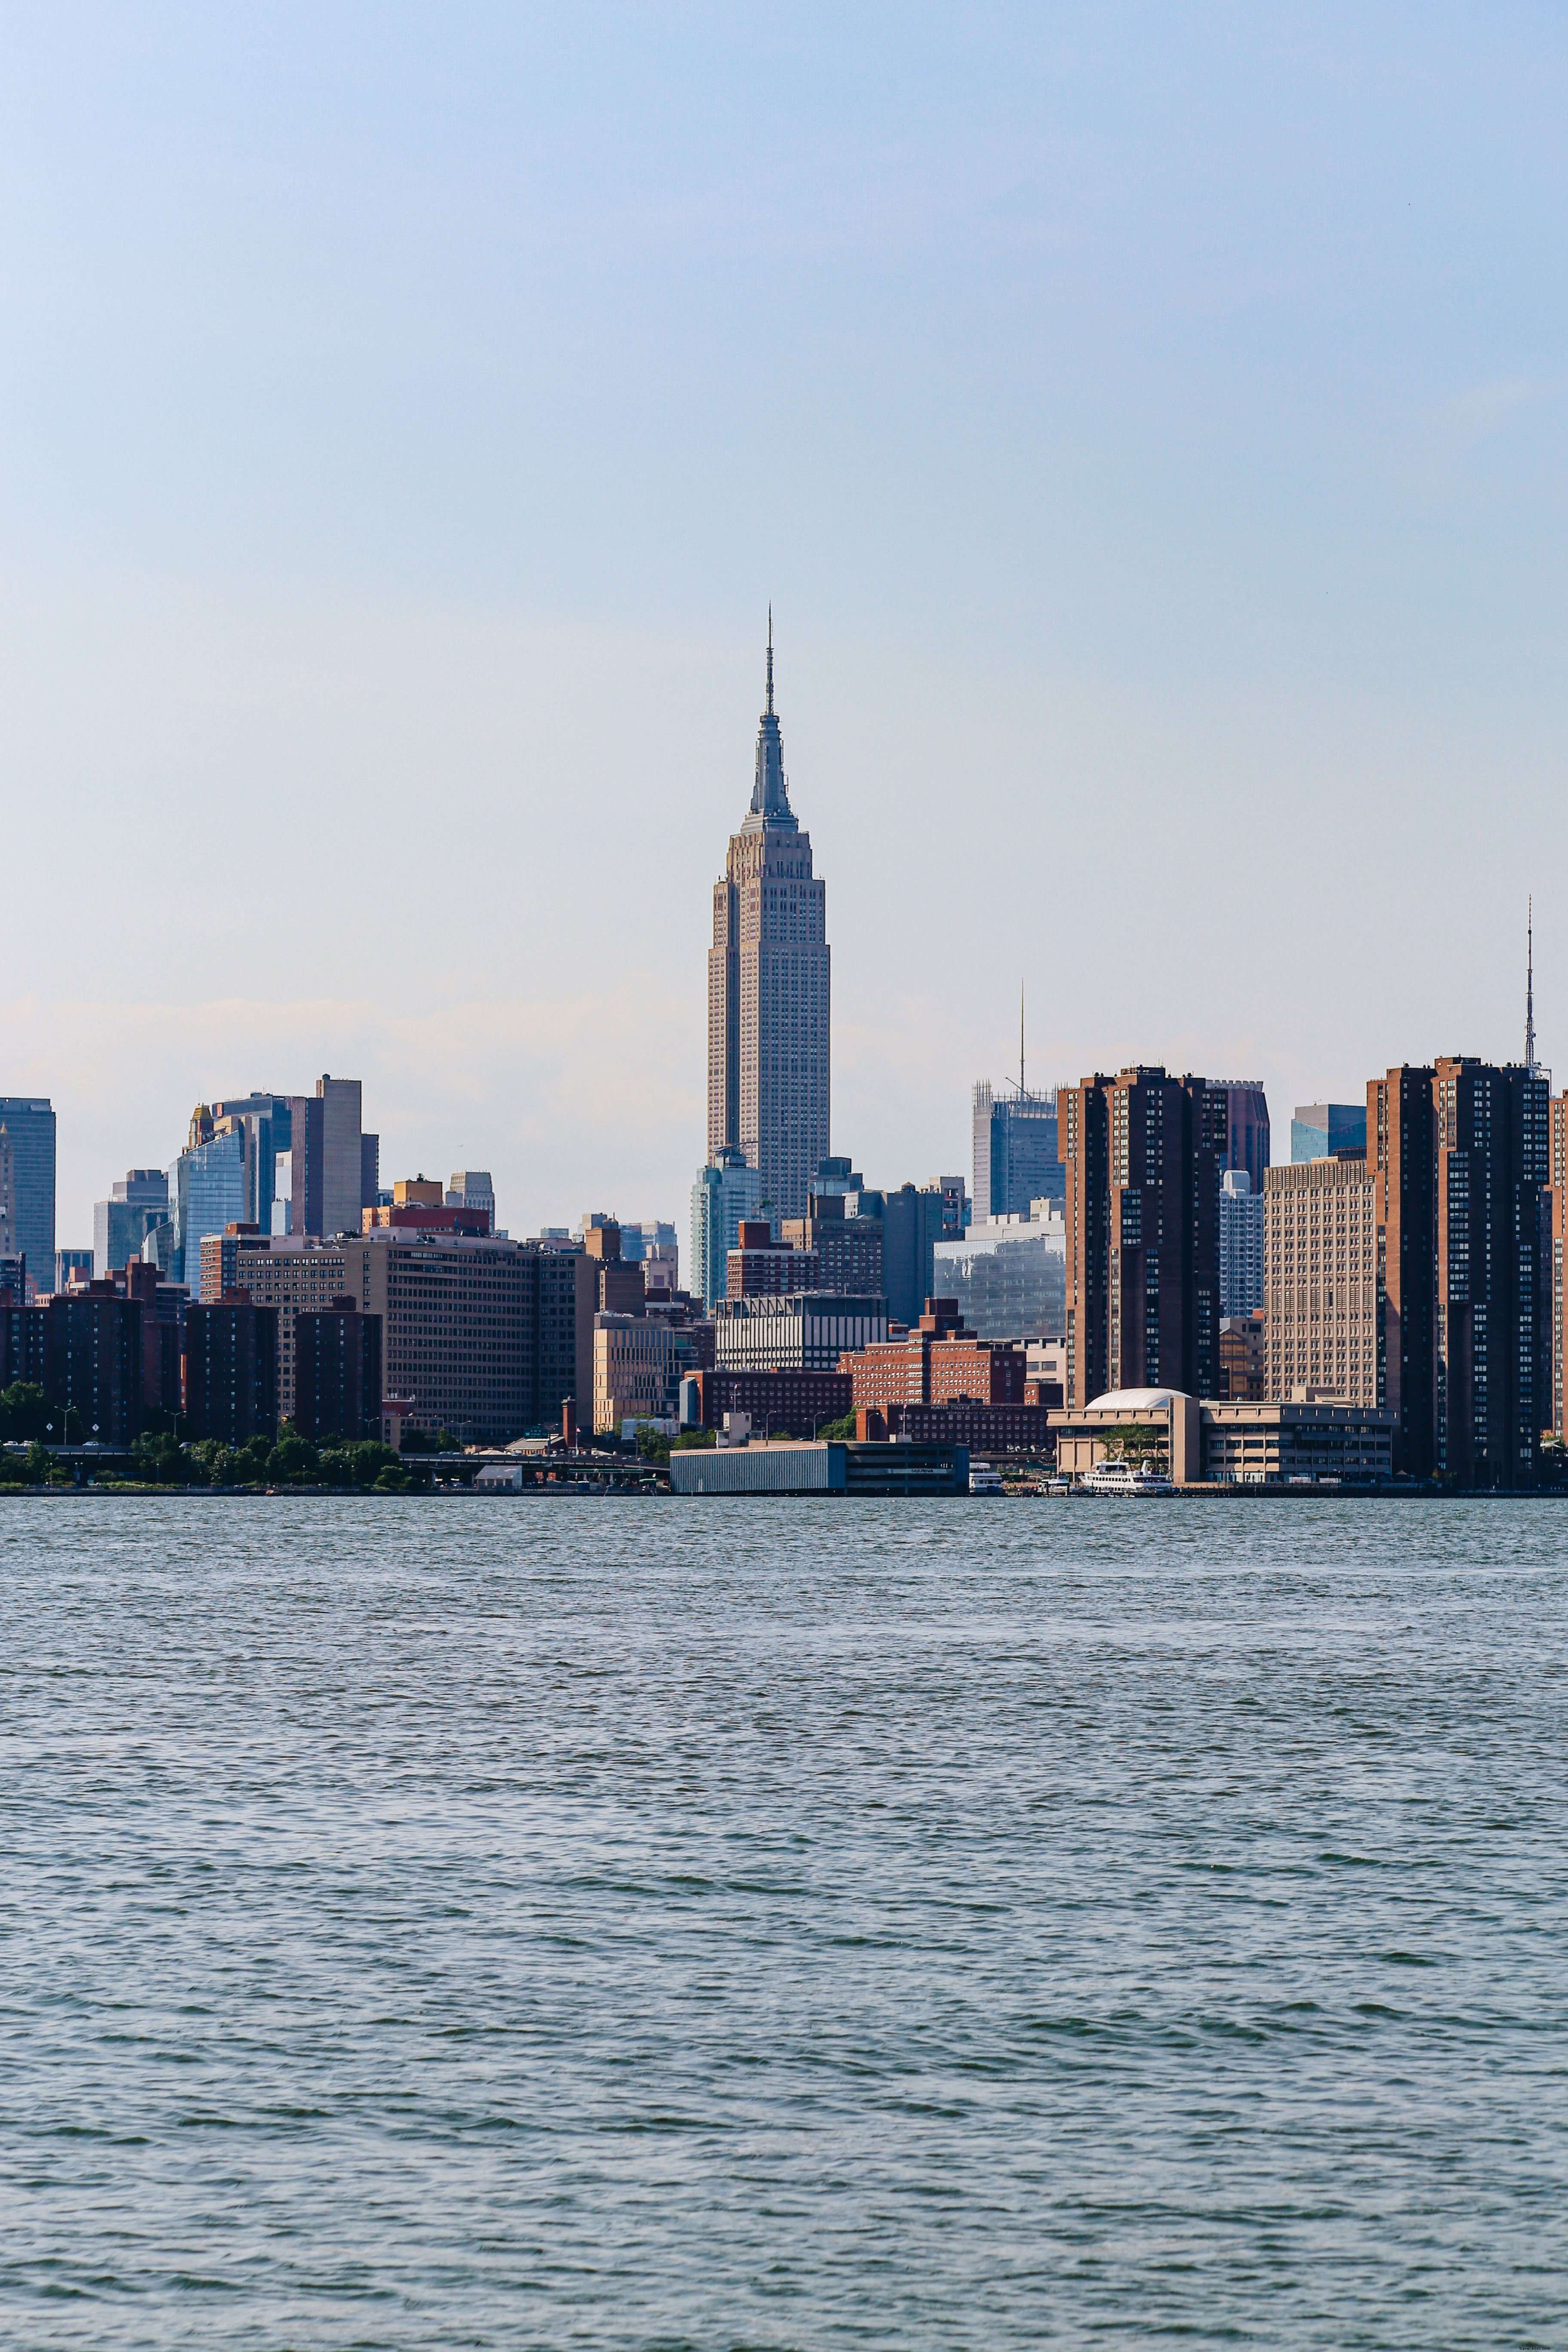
(1530, 985)
(1020, 1036)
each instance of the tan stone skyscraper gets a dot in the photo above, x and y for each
(768, 991)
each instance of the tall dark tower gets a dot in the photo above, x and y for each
(769, 991)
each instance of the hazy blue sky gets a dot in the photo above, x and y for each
(1149, 425)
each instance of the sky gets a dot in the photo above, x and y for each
(1147, 423)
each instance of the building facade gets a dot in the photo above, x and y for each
(1243, 1356)
(1240, 1244)
(1462, 1153)
(777, 1404)
(1492, 1134)
(1016, 1156)
(1142, 1273)
(939, 1362)
(123, 1223)
(295, 1276)
(1320, 1282)
(768, 991)
(471, 1188)
(488, 1336)
(847, 1249)
(1247, 1143)
(914, 1220)
(231, 1370)
(209, 1186)
(634, 1371)
(1008, 1274)
(27, 1127)
(724, 1196)
(1401, 1149)
(1320, 1130)
(807, 1333)
(338, 1385)
(760, 1267)
(268, 1121)
(93, 1361)
(331, 1176)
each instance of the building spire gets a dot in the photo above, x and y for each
(1530, 984)
(1020, 1036)
(770, 794)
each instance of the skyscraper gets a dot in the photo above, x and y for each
(1015, 1152)
(722, 1198)
(1247, 1127)
(1318, 1131)
(328, 1165)
(29, 1124)
(123, 1223)
(1240, 1244)
(768, 991)
(1142, 1152)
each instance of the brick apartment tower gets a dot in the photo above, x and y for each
(1401, 1146)
(1466, 1307)
(1142, 1154)
(1554, 1235)
(1490, 1391)
(768, 991)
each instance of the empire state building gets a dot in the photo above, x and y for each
(768, 989)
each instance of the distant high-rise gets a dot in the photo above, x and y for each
(1015, 1152)
(723, 1197)
(1320, 1301)
(329, 1169)
(768, 991)
(1320, 1130)
(1246, 1127)
(210, 1186)
(29, 1124)
(123, 1223)
(470, 1188)
(1240, 1244)
(266, 1119)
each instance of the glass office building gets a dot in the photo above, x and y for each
(722, 1195)
(209, 1188)
(1008, 1275)
(29, 1124)
(1015, 1152)
(123, 1223)
(1320, 1130)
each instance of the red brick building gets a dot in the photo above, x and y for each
(986, 1429)
(940, 1362)
(763, 1268)
(793, 1402)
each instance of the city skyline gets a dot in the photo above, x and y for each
(1164, 534)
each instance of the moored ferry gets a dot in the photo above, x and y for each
(1122, 1478)
(984, 1480)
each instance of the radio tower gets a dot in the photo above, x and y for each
(1529, 986)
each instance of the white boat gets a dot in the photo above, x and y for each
(1122, 1478)
(984, 1480)
(1059, 1484)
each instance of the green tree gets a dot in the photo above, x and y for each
(840, 1430)
(653, 1444)
(1139, 1443)
(291, 1461)
(692, 1438)
(23, 1412)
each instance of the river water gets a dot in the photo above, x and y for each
(552, 1921)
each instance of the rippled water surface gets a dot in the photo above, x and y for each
(568, 1922)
